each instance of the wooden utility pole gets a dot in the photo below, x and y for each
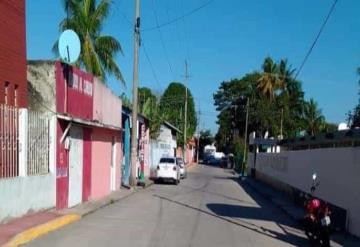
(198, 136)
(281, 123)
(186, 106)
(134, 129)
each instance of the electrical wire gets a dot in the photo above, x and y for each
(158, 26)
(316, 38)
(150, 64)
(161, 39)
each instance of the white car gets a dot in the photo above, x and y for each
(182, 167)
(168, 169)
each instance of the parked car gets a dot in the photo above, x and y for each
(182, 167)
(168, 169)
(214, 161)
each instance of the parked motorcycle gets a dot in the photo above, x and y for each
(317, 221)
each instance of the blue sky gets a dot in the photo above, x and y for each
(225, 40)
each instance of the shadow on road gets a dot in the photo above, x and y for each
(287, 237)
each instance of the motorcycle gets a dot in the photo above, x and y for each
(317, 222)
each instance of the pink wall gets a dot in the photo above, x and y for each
(107, 106)
(101, 161)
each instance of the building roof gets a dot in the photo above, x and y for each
(128, 110)
(171, 126)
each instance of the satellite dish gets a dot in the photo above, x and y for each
(69, 46)
(343, 126)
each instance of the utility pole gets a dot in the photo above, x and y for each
(198, 135)
(186, 106)
(281, 123)
(246, 134)
(134, 129)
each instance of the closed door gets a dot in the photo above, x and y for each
(126, 156)
(75, 166)
(113, 165)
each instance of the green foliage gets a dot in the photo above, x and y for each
(149, 107)
(98, 52)
(172, 103)
(125, 100)
(145, 94)
(314, 120)
(353, 117)
(276, 105)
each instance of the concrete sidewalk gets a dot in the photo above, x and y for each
(284, 203)
(22, 230)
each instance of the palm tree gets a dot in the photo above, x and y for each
(314, 120)
(270, 80)
(98, 51)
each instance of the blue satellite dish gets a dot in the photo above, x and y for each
(69, 46)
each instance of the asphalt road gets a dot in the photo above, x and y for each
(209, 208)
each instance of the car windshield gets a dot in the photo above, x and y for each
(167, 160)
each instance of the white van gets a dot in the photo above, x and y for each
(167, 169)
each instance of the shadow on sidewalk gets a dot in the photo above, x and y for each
(283, 202)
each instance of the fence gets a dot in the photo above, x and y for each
(9, 141)
(38, 144)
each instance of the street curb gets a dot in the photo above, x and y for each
(42, 229)
(55, 224)
(112, 201)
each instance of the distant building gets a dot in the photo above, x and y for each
(13, 84)
(164, 145)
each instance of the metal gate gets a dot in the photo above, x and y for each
(9, 141)
(38, 143)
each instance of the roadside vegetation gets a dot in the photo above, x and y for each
(277, 106)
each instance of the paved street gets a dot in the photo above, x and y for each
(209, 208)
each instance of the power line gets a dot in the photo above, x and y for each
(179, 17)
(317, 38)
(161, 39)
(150, 64)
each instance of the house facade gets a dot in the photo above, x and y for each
(143, 149)
(88, 134)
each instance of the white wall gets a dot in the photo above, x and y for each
(338, 170)
(163, 145)
(25, 194)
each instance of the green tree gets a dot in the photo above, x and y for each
(145, 95)
(125, 100)
(271, 80)
(151, 110)
(282, 107)
(314, 120)
(98, 52)
(353, 117)
(172, 103)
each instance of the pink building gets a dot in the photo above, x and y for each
(106, 142)
(88, 138)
